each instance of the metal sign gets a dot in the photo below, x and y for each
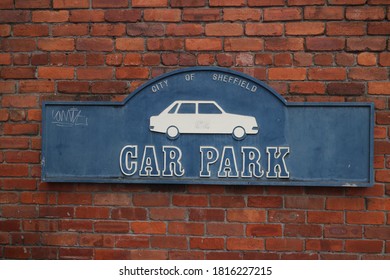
(208, 125)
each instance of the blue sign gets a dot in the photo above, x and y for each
(208, 125)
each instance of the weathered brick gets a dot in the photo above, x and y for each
(325, 44)
(207, 44)
(346, 88)
(145, 29)
(171, 44)
(31, 30)
(243, 44)
(224, 29)
(305, 28)
(370, 218)
(345, 28)
(201, 15)
(366, 44)
(365, 13)
(368, 74)
(48, 72)
(284, 244)
(110, 4)
(32, 4)
(66, 4)
(364, 246)
(264, 29)
(184, 228)
(109, 87)
(7, 4)
(261, 3)
(111, 227)
(162, 15)
(108, 29)
(73, 87)
(122, 15)
(149, 227)
(130, 44)
(189, 200)
(244, 244)
(132, 73)
(331, 74)
(14, 16)
(378, 28)
(379, 88)
(50, 16)
(207, 243)
(266, 230)
(169, 242)
(284, 44)
(307, 87)
(94, 44)
(62, 44)
(188, 3)
(295, 74)
(86, 16)
(241, 14)
(282, 14)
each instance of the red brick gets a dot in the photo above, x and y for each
(31, 30)
(78, 226)
(50, 16)
(384, 59)
(74, 198)
(21, 129)
(188, 3)
(8, 198)
(377, 232)
(345, 28)
(124, 241)
(167, 214)
(184, 29)
(284, 44)
(109, 87)
(305, 28)
(22, 157)
(110, 4)
(169, 242)
(370, 218)
(19, 211)
(56, 44)
(222, 229)
(36, 198)
(186, 255)
(261, 3)
(381, 204)
(302, 230)
(32, 4)
(223, 256)
(60, 239)
(364, 246)
(282, 14)
(76, 254)
(92, 212)
(18, 45)
(151, 199)
(73, 87)
(224, 29)
(70, 30)
(149, 227)
(4, 116)
(129, 213)
(243, 44)
(112, 199)
(347, 2)
(145, 29)
(365, 13)
(132, 59)
(9, 225)
(286, 216)
(130, 44)
(325, 44)
(241, 14)
(224, 3)
(86, 16)
(132, 73)
(263, 59)
(64, 4)
(207, 243)
(367, 59)
(324, 245)
(304, 202)
(345, 203)
(227, 201)
(17, 252)
(289, 244)
(165, 44)
(162, 15)
(325, 217)
(112, 254)
(97, 240)
(244, 244)
(64, 73)
(108, 29)
(7, 4)
(353, 89)
(189, 200)
(36, 87)
(5, 30)
(149, 255)
(111, 227)
(184, 228)
(378, 28)
(206, 215)
(379, 88)
(122, 15)
(15, 183)
(203, 44)
(201, 15)
(246, 216)
(14, 16)
(331, 74)
(151, 59)
(307, 88)
(294, 74)
(368, 74)
(264, 230)
(95, 73)
(366, 44)
(344, 59)
(94, 44)
(305, 2)
(264, 29)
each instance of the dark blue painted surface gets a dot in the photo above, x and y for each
(330, 144)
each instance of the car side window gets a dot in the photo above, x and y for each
(208, 108)
(173, 109)
(187, 108)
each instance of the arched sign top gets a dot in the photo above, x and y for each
(212, 70)
(208, 125)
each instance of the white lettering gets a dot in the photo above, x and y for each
(228, 165)
(209, 156)
(276, 162)
(149, 164)
(172, 163)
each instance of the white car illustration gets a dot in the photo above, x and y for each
(201, 117)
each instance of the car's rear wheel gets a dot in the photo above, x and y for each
(239, 133)
(172, 132)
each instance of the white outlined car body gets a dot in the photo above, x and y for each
(201, 117)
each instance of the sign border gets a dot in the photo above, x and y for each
(219, 181)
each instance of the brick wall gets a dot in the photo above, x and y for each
(308, 50)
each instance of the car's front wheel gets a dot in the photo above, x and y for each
(239, 133)
(172, 132)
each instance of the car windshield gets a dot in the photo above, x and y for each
(208, 108)
(186, 108)
(173, 109)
